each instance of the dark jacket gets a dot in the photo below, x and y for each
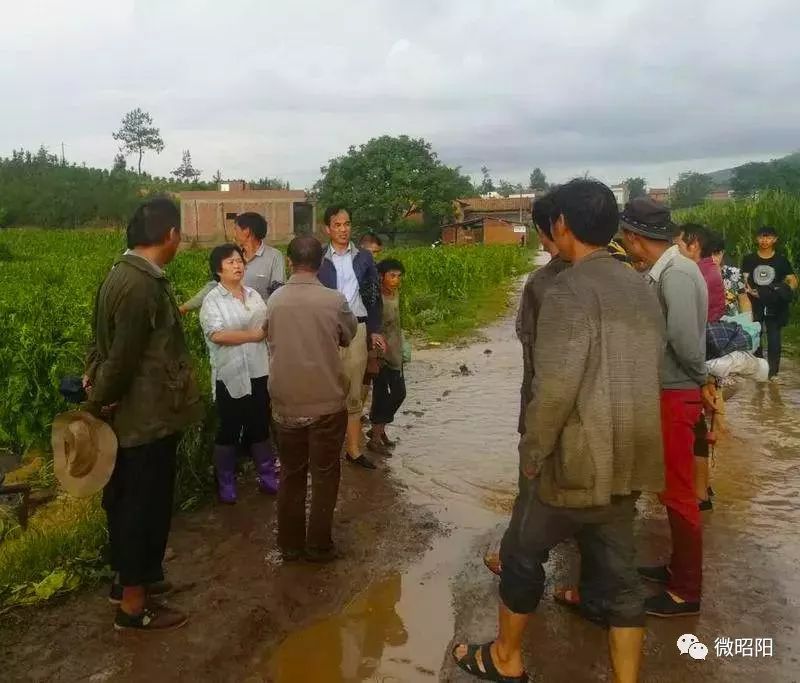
(368, 284)
(138, 358)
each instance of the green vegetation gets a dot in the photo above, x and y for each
(48, 281)
(637, 187)
(38, 189)
(690, 189)
(388, 179)
(739, 220)
(449, 291)
(778, 174)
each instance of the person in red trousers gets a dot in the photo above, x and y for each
(648, 233)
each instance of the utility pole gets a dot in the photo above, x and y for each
(63, 159)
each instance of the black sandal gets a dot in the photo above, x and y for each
(469, 663)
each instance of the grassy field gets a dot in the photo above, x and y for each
(48, 280)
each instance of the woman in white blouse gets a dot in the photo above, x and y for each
(232, 318)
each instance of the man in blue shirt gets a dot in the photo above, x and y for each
(352, 271)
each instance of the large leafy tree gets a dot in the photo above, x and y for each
(387, 179)
(637, 187)
(538, 180)
(138, 135)
(690, 189)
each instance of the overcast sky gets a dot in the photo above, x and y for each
(615, 87)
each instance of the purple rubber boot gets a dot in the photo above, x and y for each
(225, 466)
(264, 459)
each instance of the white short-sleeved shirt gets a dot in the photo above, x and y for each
(234, 366)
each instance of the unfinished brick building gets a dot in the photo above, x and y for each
(208, 217)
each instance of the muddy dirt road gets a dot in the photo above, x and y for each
(412, 578)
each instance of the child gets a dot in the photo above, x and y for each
(389, 386)
(373, 244)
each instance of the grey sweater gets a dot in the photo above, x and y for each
(684, 299)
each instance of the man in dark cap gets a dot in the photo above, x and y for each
(648, 233)
(771, 283)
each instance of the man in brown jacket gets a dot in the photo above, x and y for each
(592, 438)
(139, 376)
(306, 325)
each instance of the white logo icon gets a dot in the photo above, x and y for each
(698, 651)
(686, 641)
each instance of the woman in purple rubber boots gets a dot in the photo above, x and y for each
(232, 318)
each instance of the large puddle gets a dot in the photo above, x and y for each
(457, 454)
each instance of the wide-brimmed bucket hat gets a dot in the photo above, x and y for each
(84, 452)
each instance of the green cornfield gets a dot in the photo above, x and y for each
(440, 283)
(48, 280)
(739, 220)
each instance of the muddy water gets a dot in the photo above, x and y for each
(457, 456)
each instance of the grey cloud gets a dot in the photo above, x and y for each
(571, 85)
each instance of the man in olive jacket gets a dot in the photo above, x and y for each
(139, 377)
(592, 439)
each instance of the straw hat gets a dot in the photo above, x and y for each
(84, 452)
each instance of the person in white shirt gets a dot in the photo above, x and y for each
(232, 318)
(352, 272)
(266, 266)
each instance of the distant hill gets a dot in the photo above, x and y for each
(723, 177)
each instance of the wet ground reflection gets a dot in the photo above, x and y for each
(457, 455)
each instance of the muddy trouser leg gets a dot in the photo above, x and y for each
(388, 394)
(325, 438)
(533, 530)
(610, 586)
(293, 450)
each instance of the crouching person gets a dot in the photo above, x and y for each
(306, 325)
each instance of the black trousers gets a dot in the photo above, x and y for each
(246, 417)
(772, 328)
(388, 394)
(138, 505)
(609, 584)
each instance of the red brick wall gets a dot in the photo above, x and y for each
(499, 232)
(458, 235)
